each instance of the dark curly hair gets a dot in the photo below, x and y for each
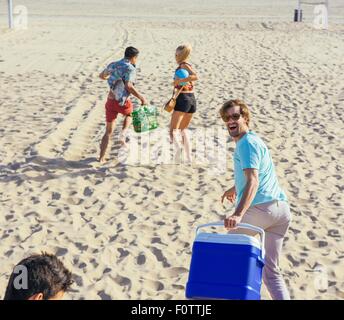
(46, 274)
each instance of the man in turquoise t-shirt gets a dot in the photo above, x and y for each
(259, 200)
(252, 153)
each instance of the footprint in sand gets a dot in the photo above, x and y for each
(311, 235)
(123, 253)
(104, 296)
(94, 263)
(141, 259)
(81, 247)
(8, 253)
(9, 217)
(75, 201)
(153, 285)
(78, 280)
(321, 244)
(123, 281)
(82, 265)
(56, 196)
(333, 233)
(156, 240)
(160, 257)
(175, 272)
(88, 192)
(96, 164)
(61, 252)
(131, 217)
(178, 286)
(294, 262)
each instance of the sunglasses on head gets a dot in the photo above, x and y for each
(234, 117)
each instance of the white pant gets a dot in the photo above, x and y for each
(274, 217)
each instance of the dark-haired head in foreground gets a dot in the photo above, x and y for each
(39, 277)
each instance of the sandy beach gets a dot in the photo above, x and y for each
(126, 230)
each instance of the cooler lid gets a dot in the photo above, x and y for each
(242, 239)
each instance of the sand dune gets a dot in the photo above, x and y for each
(126, 230)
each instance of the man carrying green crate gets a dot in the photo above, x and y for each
(121, 77)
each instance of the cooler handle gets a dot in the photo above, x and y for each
(239, 225)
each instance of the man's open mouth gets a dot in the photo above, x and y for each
(233, 127)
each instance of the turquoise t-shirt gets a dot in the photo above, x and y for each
(251, 152)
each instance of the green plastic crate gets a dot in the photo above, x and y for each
(145, 118)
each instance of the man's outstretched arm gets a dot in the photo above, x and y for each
(131, 89)
(104, 74)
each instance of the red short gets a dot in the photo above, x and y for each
(112, 109)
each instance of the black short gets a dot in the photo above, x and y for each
(186, 102)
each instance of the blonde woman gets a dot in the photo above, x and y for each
(186, 102)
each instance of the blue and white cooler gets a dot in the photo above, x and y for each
(226, 266)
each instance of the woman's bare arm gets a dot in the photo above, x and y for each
(192, 74)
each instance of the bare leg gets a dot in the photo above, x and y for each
(186, 145)
(176, 120)
(126, 123)
(184, 131)
(110, 126)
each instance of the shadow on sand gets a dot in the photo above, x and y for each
(40, 169)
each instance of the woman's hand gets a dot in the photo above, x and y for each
(176, 82)
(232, 221)
(230, 195)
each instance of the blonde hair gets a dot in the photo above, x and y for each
(244, 111)
(183, 52)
